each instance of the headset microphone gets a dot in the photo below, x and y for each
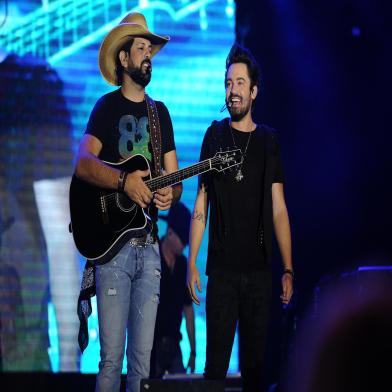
(225, 106)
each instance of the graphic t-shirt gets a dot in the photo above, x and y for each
(122, 127)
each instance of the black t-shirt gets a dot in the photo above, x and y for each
(122, 127)
(174, 295)
(236, 207)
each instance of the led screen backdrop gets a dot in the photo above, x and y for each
(49, 84)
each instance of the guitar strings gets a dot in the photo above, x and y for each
(163, 181)
(159, 183)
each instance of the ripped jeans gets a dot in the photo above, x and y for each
(127, 291)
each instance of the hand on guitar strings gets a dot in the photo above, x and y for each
(136, 189)
(163, 198)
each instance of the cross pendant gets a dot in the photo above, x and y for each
(239, 176)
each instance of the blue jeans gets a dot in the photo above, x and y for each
(127, 296)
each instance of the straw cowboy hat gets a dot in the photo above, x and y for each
(133, 25)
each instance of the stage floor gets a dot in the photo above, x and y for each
(77, 382)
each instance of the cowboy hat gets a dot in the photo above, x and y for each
(133, 25)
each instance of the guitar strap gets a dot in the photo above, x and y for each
(155, 135)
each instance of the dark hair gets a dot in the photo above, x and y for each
(240, 54)
(119, 68)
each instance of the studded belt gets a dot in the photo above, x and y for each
(143, 241)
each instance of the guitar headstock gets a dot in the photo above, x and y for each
(223, 160)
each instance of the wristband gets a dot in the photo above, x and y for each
(121, 181)
(289, 271)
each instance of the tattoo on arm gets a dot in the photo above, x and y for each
(197, 215)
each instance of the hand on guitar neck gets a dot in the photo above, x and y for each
(163, 198)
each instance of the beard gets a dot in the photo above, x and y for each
(238, 113)
(137, 74)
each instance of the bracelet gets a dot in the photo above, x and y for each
(121, 181)
(289, 271)
(193, 353)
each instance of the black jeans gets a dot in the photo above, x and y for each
(242, 297)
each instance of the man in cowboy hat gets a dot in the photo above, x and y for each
(127, 286)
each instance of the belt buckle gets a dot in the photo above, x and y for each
(137, 242)
(143, 241)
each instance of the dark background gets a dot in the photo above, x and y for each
(327, 90)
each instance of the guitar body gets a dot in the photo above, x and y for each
(103, 220)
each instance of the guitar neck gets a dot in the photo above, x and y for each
(174, 178)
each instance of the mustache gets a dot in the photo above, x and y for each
(148, 62)
(233, 96)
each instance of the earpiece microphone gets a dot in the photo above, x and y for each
(225, 106)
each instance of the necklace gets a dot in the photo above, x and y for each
(239, 176)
